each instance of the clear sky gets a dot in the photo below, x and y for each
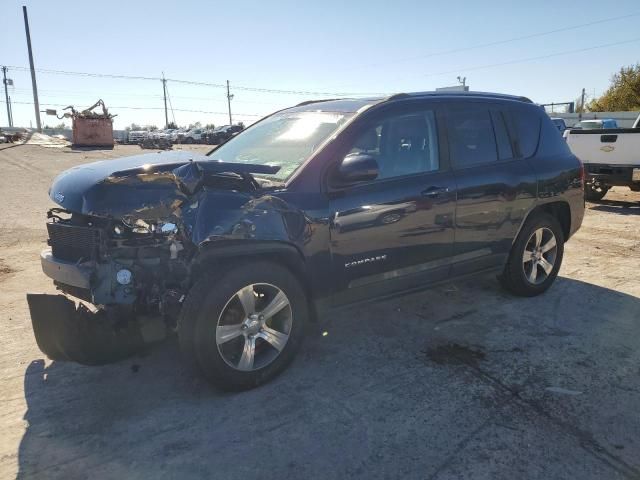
(323, 46)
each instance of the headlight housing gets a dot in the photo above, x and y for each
(129, 227)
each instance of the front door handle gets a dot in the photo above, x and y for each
(434, 192)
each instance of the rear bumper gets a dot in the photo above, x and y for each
(612, 175)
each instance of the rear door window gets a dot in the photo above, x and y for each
(471, 137)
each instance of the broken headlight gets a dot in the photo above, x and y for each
(142, 227)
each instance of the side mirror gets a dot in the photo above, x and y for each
(357, 167)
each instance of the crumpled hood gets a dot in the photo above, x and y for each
(147, 186)
(84, 189)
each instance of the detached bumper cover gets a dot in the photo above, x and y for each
(68, 332)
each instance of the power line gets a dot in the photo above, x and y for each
(88, 74)
(275, 90)
(84, 93)
(190, 82)
(148, 108)
(505, 41)
(308, 92)
(529, 59)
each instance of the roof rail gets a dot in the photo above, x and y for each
(396, 96)
(309, 102)
(458, 94)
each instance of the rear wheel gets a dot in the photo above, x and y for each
(243, 328)
(535, 257)
(594, 193)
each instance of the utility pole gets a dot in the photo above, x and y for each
(10, 114)
(581, 106)
(229, 97)
(6, 95)
(36, 104)
(164, 90)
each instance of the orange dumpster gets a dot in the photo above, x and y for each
(92, 132)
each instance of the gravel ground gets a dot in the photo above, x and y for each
(462, 381)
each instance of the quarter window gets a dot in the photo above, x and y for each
(401, 144)
(527, 123)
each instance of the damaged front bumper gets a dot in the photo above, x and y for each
(65, 331)
(131, 284)
(65, 272)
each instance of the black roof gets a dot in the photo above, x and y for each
(353, 104)
(449, 93)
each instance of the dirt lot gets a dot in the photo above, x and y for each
(463, 381)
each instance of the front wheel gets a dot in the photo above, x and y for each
(535, 257)
(244, 327)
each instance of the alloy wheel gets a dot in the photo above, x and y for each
(539, 255)
(254, 327)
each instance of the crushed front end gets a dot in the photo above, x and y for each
(105, 261)
(133, 273)
(121, 247)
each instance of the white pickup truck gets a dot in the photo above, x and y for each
(611, 157)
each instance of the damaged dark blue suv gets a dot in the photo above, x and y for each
(314, 207)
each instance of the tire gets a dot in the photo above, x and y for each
(214, 311)
(594, 193)
(188, 140)
(518, 276)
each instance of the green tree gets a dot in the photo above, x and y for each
(134, 127)
(623, 94)
(172, 125)
(209, 126)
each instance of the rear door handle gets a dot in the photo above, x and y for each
(434, 192)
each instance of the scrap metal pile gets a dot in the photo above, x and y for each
(88, 112)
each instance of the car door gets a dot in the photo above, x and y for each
(496, 185)
(395, 232)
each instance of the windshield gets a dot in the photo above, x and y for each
(286, 140)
